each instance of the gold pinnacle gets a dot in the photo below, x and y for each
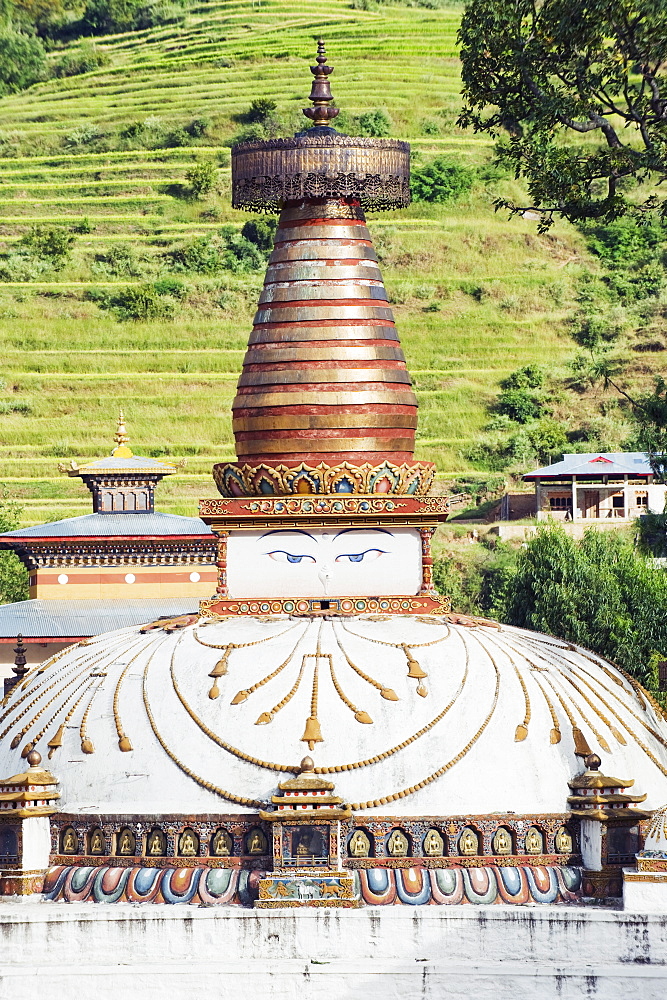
(121, 438)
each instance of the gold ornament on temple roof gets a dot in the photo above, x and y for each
(121, 438)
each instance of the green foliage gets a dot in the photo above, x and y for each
(261, 231)
(519, 404)
(84, 60)
(441, 180)
(13, 574)
(119, 260)
(137, 302)
(22, 60)
(202, 178)
(227, 250)
(103, 17)
(475, 577)
(258, 112)
(375, 123)
(653, 535)
(536, 75)
(600, 592)
(50, 243)
(650, 414)
(171, 286)
(634, 254)
(526, 378)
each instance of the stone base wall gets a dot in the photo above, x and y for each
(487, 952)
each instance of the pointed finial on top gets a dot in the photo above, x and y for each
(19, 668)
(307, 764)
(320, 92)
(121, 438)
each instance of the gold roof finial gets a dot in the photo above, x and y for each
(121, 438)
(320, 92)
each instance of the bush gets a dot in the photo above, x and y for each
(51, 243)
(261, 232)
(374, 123)
(101, 17)
(22, 61)
(202, 178)
(171, 286)
(198, 126)
(241, 255)
(528, 377)
(519, 405)
(84, 135)
(138, 302)
(634, 254)
(225, 251)
(86, 60)
(441, 181)
(23, 267)
(258, 112)
(119, 260)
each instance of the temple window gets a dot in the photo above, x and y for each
(126, 843)
(221, 844)
(256, 842)
(8, 843)
(156, 844)
(96, 842)
(359, 845)
(502, 841)
(69, 841)
(188, 844)
(534, 841)
(434, 844)
(469, 842)
(398, 844)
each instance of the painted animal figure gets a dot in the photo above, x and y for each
(330, 889)
(307, 892)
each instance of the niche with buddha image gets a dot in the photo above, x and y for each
(188, 844)
(256, 842)
(95, 841)
(222, 844)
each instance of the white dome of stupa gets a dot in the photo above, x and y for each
(408, 715)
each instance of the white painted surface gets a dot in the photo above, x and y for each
(60, 951)
(36, 843)
(656, 498)
(366, 562)
(646, 895)
(591, 844)
(474, 703)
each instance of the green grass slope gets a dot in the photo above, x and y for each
(475, 296)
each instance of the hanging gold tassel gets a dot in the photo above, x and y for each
(618, 736)
(554, 736)
(421, 690)
(124, 744)
(239, 697)
(363, 717)
(521, 733)
(56, 741)
(388, 694)
(264, 719)
(15, 742)
(215, 690)
(581, 747)
(312, 734)
(220, 669)
(26, 749)
(414, 670)
(87, 745)
(603, 743)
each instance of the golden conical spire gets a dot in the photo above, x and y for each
(121, 438)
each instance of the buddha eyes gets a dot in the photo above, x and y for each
(370, 555)
(286, 557)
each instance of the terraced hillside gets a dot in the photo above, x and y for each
(475, 296)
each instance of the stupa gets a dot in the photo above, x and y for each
(325, 731)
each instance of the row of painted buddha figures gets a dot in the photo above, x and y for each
(360, 844)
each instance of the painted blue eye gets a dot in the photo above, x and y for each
(356, 557)
(279, 555)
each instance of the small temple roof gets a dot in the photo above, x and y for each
(596, 463)
(139, 524)
(55, 621)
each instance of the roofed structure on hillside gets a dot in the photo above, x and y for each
(121, 565)
(597, 486)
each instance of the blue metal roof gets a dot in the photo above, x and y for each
(598, 464)
(61, 620)
(108, 525)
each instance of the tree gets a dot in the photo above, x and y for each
(13, 574)
(542, 75)
(22, 61)
(202, 178)
(52, 243)
(599, 592)
(441, 180)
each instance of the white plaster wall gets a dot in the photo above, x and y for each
(591, 844)
(36, 843)
(119, 952)
(646, 896)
